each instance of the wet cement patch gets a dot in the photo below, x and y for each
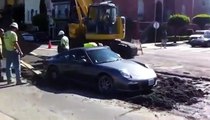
(170, 92)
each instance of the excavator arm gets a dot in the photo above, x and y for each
(83, 4)
(98, 29)
(82, 11)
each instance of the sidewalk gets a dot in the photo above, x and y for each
(158, 44)
(3, 116)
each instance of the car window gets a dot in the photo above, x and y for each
(103, 56)
(63, 56)
(78, 56)
(207, 34)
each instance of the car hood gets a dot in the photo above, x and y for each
(201, 39)
(196, 35)
(137, 71)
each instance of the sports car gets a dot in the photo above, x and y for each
(102, 68)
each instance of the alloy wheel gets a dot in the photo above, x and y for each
(105, 84)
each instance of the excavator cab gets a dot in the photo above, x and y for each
(102, 22)
(101, 19)
(99, 23)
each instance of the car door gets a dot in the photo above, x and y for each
(83, 68)
(65, 64)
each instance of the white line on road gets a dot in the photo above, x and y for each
(171, 67)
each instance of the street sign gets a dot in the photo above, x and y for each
(156, 25)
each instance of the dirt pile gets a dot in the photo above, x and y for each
(169, 92)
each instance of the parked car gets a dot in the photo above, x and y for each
(28, 37)
(102, 68)
(197, 34)
(203, 41)
(34, 37)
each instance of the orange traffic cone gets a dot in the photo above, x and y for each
(49, 44)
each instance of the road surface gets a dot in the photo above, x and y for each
(181, 59)
(28, 102)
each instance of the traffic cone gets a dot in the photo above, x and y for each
(49, 44)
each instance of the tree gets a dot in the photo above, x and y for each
(41, 20)
(201, 20)
(178, 21)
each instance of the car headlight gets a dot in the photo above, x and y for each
(125, 73)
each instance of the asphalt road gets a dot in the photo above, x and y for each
(28, 102)
(181, 59)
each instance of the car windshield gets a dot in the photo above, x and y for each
(207, 34)
(103, 56)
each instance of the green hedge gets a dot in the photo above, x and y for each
(178, 20)
(201, 20)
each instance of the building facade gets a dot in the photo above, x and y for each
(142, 12)
(145, 12)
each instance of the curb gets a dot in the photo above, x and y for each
(182, 75)
(148, 45)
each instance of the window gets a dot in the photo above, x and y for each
(140, 9)
(78, 56)
(183, 9)
(61, 10)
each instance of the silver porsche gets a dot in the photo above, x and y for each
(102, 68)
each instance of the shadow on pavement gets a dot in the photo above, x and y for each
(5, 85)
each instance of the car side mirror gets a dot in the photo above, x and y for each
(118, 55)
(83, 60)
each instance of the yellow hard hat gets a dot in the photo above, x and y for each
(90, 44)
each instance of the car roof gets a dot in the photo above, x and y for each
(89, 49)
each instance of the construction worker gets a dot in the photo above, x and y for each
(1, 54)
(90, 44)
(13, 53)
(64, 42)
(164, 38)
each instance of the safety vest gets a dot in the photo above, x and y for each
(10, 38)
(64, 42)
(90, 44)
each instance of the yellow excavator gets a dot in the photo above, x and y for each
(100, 23)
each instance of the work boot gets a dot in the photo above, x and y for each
(1, 79)
(20, 82)
(9, 82)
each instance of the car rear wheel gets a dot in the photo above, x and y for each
(192, 45)
(208, 44)
(52, 74)
(105, 84)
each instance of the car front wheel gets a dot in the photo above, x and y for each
(192, 45)
(105, 84)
